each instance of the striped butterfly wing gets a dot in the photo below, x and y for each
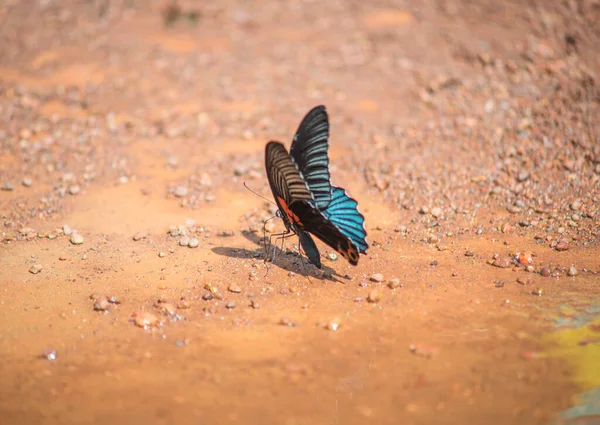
(343, 213)
(285, 180)
(288, 187)
(309, 151)
(315, 222)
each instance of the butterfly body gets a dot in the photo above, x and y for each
(306, 200)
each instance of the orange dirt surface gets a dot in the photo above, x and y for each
(134, 286)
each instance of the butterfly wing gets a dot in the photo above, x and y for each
(309, 247)
(285, 180)
(315, 222)
(309, 151)
(343, 213)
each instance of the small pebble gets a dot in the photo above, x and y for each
(161, 254)
(524, 258)
(524, 280)
(423, 210)
(230, 305)
(76, 239)
(193, 243)
(49, 354)
(469, 253)
(436, 212)
(332, 256)
(376, 277)
(184, 241)
(27, 182)
(181, 191)
(35, 269)
(254, 304)
(562, 246)
(74, 189)
(102, 304)
(67, 231)
(139, 236)
(208, 296)
(394, 283)
(234, 288)
(545, 271)
(502, 262)
(333, 325)
(7, 186)
(374, 296)
(287, 322)
(145, 319)
(539, 292)
(571, 272)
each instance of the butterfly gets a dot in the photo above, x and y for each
(307, 202)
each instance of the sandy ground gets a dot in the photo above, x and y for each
(467, 131)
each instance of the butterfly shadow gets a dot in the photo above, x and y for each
(284, 259)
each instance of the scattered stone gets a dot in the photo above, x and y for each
(333, 325)
(395, 283)
(539, 292)
(469, 253)
(376, 277)
(422, 350)
(184, 241)
(502, 262)
(358, 299)
(287, 322)
(576, 205)
(400, 228)
(436, 212)
(24, 231)
(74, 189)
(35, 269)
(161, 254)
(254, 304)
(332, 256)
(208, 296)
(193, 243)
(506, 228)
(102, 303)
(562, 246)
(523, 280)
(139, 236)
(230, 305)
(571, 272)
(181, 191)
(76, 239)
(7, 186)
(375, 296)
(545, 271)
(523, 176)
(49, 354)
(145, 320)
(234, 288)
(423, 210)
(66, 229)
(27, 181)
(524, 258)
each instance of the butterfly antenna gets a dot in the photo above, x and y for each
(259, 195)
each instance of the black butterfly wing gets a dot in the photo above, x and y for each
(313, 221)
(285, 180)
(309, 151)
(310, 248)
(343, 213)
